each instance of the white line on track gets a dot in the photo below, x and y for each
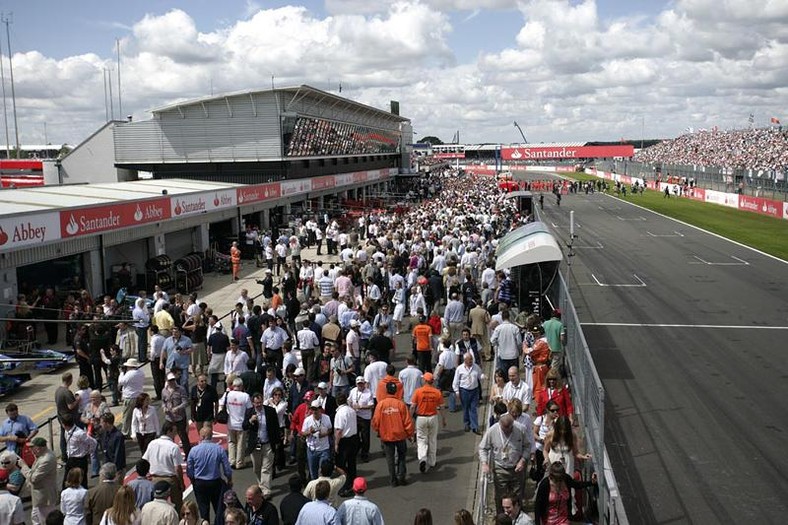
(713, 326)
(717, 235)
(640, 283)
(741, 262)
(674, 234)
(641, 218)
(589, 247)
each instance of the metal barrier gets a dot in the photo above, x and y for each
(588, 396)
(755, 184)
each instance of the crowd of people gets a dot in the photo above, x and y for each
(751, 149)
(303, 376)
(312, 136)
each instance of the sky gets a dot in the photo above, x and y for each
(564, 70)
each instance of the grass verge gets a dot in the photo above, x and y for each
(767, 234)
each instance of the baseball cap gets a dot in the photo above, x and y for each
(316, 404)
(354, 323)
(39, 442)
(391, 387)
(360, 379)
(170, 376)
(359, 484)
(322, 385)
(428, 377)
(299, 372)
(161, 489)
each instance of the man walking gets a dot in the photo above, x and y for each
(359, 510)
(79, 447)
(503, 451)
(467, 387)
(262, 436)
(480, 322)
(165, 461)
(426, 406)
(346, 442)
(394, 426)
(43, 481)
(174, 401)
(131, 382)
(209, 471)
(507, 340)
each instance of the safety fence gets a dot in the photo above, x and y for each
(588, 396)
(768, 185)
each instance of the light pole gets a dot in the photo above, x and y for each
(516, 125)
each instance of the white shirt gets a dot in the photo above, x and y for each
(164, 457)
(522, 392)
(315, 441)
(345, 421)
(237, 403)
(373, 373)
(145, 423)
(357, 399)
(507, 339)
(307, 339)
(11, 510)
(411, 378)
(73, 503)
(235, 363)
(156, 345)
(467, 378)
(131, 382)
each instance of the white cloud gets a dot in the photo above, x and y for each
(567, 73)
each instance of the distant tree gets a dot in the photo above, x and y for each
(432, 140)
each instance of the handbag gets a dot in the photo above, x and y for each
(222, 416)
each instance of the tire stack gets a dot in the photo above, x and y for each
(158, 271)
(189, 272)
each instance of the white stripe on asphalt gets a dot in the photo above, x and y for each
(715, 326)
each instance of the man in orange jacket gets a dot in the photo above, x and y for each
(394, 426)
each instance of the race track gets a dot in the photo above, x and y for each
(688, 334)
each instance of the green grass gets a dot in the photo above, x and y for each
(767, 234)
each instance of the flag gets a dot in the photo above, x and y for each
(775, 120)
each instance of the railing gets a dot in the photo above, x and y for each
(750, 182)
(50, 434)
(588, 397)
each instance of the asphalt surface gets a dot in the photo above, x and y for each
(696, 413)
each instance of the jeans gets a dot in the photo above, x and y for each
(470, 405)
(314, 459)
(363, 433)
(396, 464)
(505, 364)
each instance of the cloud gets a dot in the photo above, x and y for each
(566, 73)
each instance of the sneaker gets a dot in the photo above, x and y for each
(422, 466)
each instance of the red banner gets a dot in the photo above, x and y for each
(258, 193)
(566, 152)
(322, 183)
(460, 155)
(760, 205)
(87, 221)
(696, 194)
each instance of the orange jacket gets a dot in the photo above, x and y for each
(392, 420)
(422, 337)
(380, 391)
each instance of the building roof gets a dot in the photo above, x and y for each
(44, 198)
(296, 91)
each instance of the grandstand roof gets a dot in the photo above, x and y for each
(491, 147)
(296, 91)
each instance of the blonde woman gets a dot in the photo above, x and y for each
(191, 514)
(74, 499)
(123, 510)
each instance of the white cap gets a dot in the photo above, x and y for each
(316, 404)
(322, 385)
(299, 372)
(170, 376)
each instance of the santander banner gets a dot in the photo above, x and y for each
(567, 152)
(760, 205)
(258, 193)
(86, 221)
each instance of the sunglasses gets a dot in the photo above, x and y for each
(553, 410)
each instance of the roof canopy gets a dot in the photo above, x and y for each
(530, 244)
(513, 194)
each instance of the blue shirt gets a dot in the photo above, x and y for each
(359, 511)
(316, 513)
(207, 461)
(143, 491)
(22, 424)
(180, 360)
